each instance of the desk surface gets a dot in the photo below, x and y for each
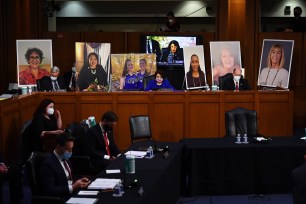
(218, 166)
(160, 177)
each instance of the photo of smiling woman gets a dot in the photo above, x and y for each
(275, 72)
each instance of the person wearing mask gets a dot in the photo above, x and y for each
(54, 82)
(236, 82)
(159, 82)
(172, 24)
(56, 173)
(46, 122)
(102, 148)
(297, 24)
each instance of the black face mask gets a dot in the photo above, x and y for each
(107, 128)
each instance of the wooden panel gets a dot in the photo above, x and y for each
(168, 121)
(204, 120)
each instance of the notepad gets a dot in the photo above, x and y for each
(88, 192)
(75, 200)
(113, 171)
(136, 154)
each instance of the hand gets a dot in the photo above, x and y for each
(3, 168)
(113, 158)
(59, 131)
(81, 183)
(57, 114)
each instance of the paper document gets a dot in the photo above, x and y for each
(104, 183)
(113, 171)
(88, 192)
(137, 154)
(75, 200)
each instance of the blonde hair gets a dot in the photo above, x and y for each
(282, 60)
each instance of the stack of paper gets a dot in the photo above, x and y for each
(75, 200)
(104, 183)
(137, 154)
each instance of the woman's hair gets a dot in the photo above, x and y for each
(161, 74)
(282, 60)
(92, 54)
(41, 109)
(190, 67)
(175, 43)
(34, 50)
(125, 71)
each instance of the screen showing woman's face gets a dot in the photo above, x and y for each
(173, 48)
(227, 59)
(34, 60)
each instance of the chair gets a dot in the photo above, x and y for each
(298, 176)
(242, 121)
(140, 128)
(147, 79)
(32, 169)
(222, 79)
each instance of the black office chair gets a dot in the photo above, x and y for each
(147, 79)
(140, 128)
(241, 121)
(299, 184)
(222, 79)
(32, 168)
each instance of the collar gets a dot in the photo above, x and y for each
(58, 156)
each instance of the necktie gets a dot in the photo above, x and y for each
(106, 143)
(237, 86)
(68, 169)
(56, 87)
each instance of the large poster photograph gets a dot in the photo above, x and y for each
(93, 66)
(225, 57)
(194, 67)
(129, 70)
(275, 63)
(34, 61)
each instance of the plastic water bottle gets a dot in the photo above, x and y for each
(238, 141)
(149, 152)
(117, 191)
(30, 90)
(245, 139)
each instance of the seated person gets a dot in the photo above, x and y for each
(172, 24)
(100, 140)
(71, 78)
(236, 82)
(53, 82)
(56, 174)
(172, 53)
(159, 82)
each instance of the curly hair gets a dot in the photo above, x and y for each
(34, 50)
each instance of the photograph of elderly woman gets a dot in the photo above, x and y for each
(128, 70)
(275, 63)
(34, 60)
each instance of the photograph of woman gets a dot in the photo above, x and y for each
(195, 75)
(92, 74)
(34, 58)
(274, 71)
(159, 83)
(173, 53)
(225, 57)
(128, 80)
(143, 72)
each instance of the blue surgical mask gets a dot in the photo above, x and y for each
(66, 155)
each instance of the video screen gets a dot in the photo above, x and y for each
(168, 49)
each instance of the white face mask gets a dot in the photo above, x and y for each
(53, 78)
(50, 111)
(237, 78)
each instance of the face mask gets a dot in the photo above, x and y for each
(66, 155)
(53, 78)
(50, 111)
(237, 78)
(159, 80)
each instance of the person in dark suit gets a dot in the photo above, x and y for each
(101, 144)
(299, 184)
(56, 175)
(236, 82)
(152, 46)
(53, 82)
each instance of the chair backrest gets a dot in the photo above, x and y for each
(78, 131)
(147, 79)
(140, 127)
(222, 79)
(38, 84)
(242, 121)
(32, 168)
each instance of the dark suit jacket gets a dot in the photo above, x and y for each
(96, 146)
(46, 83)
(230, 85)
(299, 184)
(52, 176)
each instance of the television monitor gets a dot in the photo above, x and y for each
(168, 48)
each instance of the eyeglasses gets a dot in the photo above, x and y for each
(35, 58)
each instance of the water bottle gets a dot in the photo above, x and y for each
(149, 152)
(117, 191)
(30, 90)
(245, 139)
(238, 141)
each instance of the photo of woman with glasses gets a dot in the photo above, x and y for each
(34, 57)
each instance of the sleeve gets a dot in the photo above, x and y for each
(150, 85)
(94, 150)
(168, 85)
(82, 79)
(48, 177)
(189, 80)
(112, 145)
(37, 127)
